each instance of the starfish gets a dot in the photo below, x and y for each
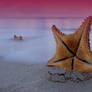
(73, 50)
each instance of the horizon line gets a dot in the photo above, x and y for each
(41, 17)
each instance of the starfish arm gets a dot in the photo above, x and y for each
(83, 51)
(65, 64)
(82, 66)
(71, 40)
(61, 50)
(82, 26)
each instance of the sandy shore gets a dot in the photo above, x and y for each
(19, 77)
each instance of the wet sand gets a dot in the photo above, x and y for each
(19, 77)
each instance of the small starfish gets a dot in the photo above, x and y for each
(73, 50)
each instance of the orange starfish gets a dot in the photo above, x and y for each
(73, 50)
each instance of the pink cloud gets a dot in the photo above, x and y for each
(26, 8)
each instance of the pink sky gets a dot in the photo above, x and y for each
(45, 8)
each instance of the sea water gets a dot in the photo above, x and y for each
(38, 44)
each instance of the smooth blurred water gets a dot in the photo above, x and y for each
(38, 44)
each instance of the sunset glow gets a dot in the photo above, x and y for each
(45, 8)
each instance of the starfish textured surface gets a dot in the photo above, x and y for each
(73, 50)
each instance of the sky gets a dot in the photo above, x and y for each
(45, 8)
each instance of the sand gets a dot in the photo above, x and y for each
(21, 77)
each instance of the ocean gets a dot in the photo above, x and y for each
(38, 44)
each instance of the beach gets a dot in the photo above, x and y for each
(19, 77)
(23, 62)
